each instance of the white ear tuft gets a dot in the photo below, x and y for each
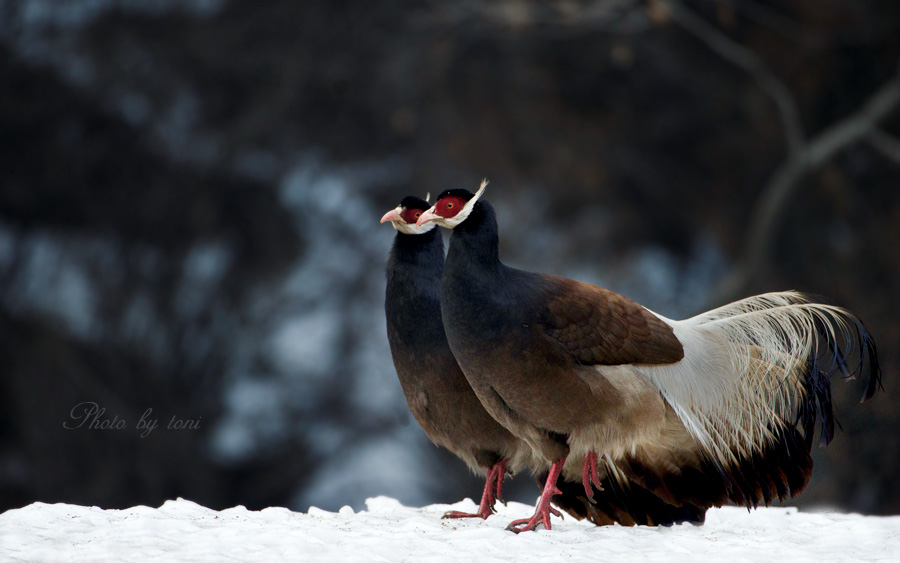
(480, 191)
(428, 197)
(467, 208)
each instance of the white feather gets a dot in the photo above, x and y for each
(745, 368)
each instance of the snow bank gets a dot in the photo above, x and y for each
(184, 531)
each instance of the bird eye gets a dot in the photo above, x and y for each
(449, 205)
(418, 213)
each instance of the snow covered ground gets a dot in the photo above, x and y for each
(181, 530)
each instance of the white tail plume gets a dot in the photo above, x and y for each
(758, 365)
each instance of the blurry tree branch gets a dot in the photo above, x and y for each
(884, 143)
(776, 195)
(567, 18)
(803, 154)
(797, 31)
(749, 61)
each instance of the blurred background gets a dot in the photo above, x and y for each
(190, 193)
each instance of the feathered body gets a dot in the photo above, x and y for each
(437, 392)
(716, 408)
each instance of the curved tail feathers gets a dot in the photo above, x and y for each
(746, 400)
(762, 364)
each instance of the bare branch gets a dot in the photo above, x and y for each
(746, 59)
(887, 145)
(771, 18)
(802, 156)
(852, 128)
(619, 17)
(786, 181)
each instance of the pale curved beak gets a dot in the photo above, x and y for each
(392, 215)
(427, 217)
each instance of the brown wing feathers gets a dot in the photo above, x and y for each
(599, 327)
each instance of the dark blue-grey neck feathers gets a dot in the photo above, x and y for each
(415, 266)
(478, 236)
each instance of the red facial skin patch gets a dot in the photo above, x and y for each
(411, 215)
(449, 206)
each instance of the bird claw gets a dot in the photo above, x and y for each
(530, 524)
(543, 510)
(493, 488)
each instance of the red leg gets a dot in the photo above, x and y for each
(543, 510)
(595, 476)
(501, 475)
(493, 487)
(590, 475)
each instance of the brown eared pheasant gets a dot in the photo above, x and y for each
(694, 413)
